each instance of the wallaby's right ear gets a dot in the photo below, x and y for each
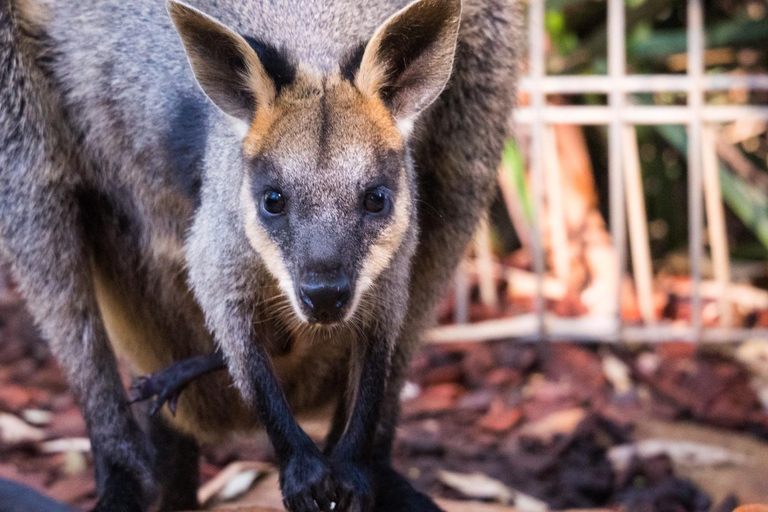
(225, 65)
(409, 59)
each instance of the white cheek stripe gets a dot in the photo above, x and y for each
(385, 245)
(265, 248)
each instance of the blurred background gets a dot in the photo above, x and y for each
(605, 343)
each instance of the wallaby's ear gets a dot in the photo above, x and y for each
(225, 65)
(409, 59)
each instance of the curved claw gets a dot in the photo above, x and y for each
(165, 386)
(146, 388)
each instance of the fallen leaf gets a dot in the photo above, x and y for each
(239, 484)
(72, 444)
(232, 481)
(482, 487)
(526, 503)
(618, 373)
(682, 453)
(499, 418)
(13, 431)
(556, 423)
(37, 417)
(477, 486)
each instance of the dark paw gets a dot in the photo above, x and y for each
(353, 489)
(163, 392)
(394, 493)
(122, 493)
(311, 484)
(307, 484)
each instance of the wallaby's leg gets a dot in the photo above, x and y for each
(41, 235)
(177, 466)
(306, 478)
(338, 423)
(457, 161)
(351, 455)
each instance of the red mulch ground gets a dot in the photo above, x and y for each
(539, 418)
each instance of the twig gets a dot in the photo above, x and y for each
(638, 226)
(718, 241)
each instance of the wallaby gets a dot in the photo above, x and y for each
(290, 182)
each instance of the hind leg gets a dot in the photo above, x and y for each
(177, 466)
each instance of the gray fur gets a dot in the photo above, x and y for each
(120, 203)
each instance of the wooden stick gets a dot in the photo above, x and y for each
(514, 206)
(586, 328)
(485, 265)
(524, 284)
(638, 227)
(718, 239)
(558, 232)
(743, 295)
(461, 294)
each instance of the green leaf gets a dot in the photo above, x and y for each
(514, 163)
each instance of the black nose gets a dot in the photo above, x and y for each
(325, 295)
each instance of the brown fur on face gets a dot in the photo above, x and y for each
(346, 102)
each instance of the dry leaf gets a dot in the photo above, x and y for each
(682, 453)
(37, 417)
(557, 423)
(71, 444)
(232, 481)
(478, 486)
(14, 431)
(483, 487)
(618, 373)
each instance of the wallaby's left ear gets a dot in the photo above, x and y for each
(227, 68)
(409, 59)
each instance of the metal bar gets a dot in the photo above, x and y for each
(641, 115)
(616, 101)
(721, 114)
(695, 35)
(578, 84)
(537, 69)
(591, 329)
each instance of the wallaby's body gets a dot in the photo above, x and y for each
(140, 218)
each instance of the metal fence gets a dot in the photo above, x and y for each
(621, 116)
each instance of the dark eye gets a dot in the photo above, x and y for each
(375, 201)
(273, 202)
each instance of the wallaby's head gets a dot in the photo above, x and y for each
(327, 192)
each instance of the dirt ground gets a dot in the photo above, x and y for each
(545, 426)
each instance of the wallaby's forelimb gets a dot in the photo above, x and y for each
(41, 234)
(166, 385)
